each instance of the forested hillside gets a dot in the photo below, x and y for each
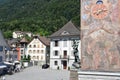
(38, 16)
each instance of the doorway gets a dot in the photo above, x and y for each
(64, 64)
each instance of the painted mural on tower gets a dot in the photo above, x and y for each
(100, 26)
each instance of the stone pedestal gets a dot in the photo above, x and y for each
(92, 75)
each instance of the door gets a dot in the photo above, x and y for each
(64, 64)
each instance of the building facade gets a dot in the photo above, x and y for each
(38, 49)
(61, 47)
(20, 34)
(4, 48)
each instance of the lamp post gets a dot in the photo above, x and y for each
(13, 54)
(6, 55)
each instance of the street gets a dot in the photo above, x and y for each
(36, 73)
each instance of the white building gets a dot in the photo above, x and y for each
(38, 49)
(19, 34)
(61, 46)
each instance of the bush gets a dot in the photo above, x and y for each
(68, 68)
(58, 68)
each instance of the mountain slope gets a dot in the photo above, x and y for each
(38, 16)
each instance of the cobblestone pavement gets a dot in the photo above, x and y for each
(35, 73)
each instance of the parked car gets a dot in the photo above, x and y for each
(2, 68)
(45, 66)
(10, 67)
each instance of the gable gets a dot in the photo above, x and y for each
(68, 29)
(36, 41)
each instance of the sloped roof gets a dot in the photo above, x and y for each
(12, 41)
(24, 40)
(3, 41)
(68, 29)
(44, 40)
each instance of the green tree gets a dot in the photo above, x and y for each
(8, 34)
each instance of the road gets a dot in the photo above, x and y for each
(35, 73)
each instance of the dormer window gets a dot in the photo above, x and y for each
(64, 33)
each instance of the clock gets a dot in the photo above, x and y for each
(99, 10)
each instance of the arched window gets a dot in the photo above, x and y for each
(30, 51)
(34, 46)
(33, 51)
(37, 57)
(42, 46)
(38, 51)
(42, 51)
(41, 57)
(33, 57)
(56, 63)
(30, 46)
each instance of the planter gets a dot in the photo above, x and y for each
(25, 64)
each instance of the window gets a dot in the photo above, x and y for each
(33, 57)
(42, 46)
(55, 63)
(65, 54)
(33, 51)
(34, 46)
(30, 51)
(38, 57)
(38, 51)
(42, 51)
(21, 51)
(30, 46)
(56, 53)
(56, 43)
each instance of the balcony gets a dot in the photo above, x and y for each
(64, 57)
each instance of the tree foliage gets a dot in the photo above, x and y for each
(38, 16)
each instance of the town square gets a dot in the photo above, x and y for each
(59, 39)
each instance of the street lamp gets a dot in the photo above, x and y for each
(6, 54)
(13, 54)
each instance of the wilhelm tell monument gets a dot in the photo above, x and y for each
(100, 36)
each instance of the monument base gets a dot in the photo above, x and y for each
(76, 65)
(93, 75)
